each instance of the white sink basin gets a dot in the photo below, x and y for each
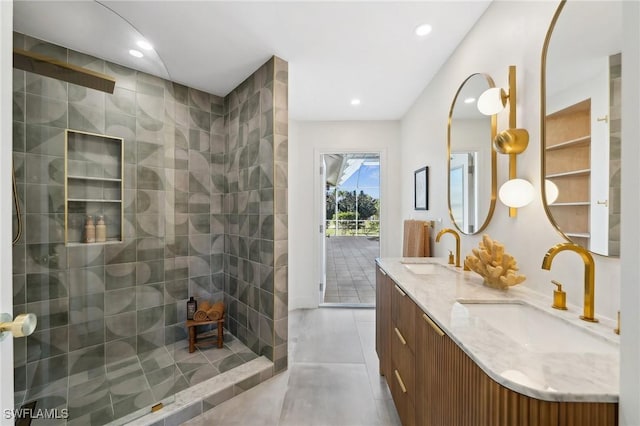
(536, 330)
(423, 268)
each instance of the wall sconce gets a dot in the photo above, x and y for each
(511, 142)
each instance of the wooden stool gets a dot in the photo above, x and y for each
(193, 338)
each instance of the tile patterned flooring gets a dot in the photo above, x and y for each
(332, 379)
(116, 390)
(351, 274)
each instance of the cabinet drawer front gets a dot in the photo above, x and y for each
(403, 362)
(404, 404)
(403, 313)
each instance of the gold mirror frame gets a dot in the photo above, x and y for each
(494, 179)
(543, 128)
(543, 121)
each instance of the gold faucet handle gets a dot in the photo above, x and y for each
(559, 297)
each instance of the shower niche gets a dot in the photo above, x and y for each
(94, 188)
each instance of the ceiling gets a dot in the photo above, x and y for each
(336, 50)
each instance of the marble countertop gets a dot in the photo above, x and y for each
(544, 374)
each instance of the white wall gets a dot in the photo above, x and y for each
(630, 242)
(509, 33)
(307, 140)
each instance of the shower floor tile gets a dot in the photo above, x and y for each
(129, 385)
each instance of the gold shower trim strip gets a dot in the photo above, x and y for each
(54, 68)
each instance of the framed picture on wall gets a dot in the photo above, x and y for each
(421, 189)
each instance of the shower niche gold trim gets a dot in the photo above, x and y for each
(94, 185)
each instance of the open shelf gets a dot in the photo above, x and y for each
(94, 178)
(92, 200)
(575, 203)
(573, 143)
(568, 164)
(582, 172)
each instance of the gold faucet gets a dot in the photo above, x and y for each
(455, 234)
(589, 275)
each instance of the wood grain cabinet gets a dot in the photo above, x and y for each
(434, 382)
(383, 321)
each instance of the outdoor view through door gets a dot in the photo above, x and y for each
(352, 227)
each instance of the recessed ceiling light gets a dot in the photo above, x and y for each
(423, 30)
(136, 53)
(355, 101)
(143, 44)
(469, 100)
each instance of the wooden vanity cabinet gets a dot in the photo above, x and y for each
(383, 321)
(395, 343)
(442, 385)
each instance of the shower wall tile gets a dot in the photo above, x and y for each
(46, 111)
(86, 334)
(41, 169)
(47, 343)
(149, 296)
(49, 286)
(19, 290)
(86, 281)
(120, 326)
(47, 371)
(86, 307)
(117, 350)
(86, 359)
(120, 276)
(255, 189)
(50, 313)
(119, 301)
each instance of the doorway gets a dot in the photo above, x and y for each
(351, 228)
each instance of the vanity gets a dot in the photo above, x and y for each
(455, 352)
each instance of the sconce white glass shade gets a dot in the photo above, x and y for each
(516, 193)
(492, 101)
(551, 191)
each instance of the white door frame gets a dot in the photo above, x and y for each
(6, 148)
(319, 201)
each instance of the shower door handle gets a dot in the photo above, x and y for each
(23, 325)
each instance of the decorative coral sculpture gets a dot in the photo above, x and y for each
(496, 267)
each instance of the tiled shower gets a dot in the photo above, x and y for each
(205, 215)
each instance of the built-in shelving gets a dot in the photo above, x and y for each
(578, 235)
(94, 178)
(573, 143)
(91, 200)
(576, 203)
(568, 166)
(582, 172)
(94, 185)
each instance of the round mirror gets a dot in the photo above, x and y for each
(581, 109)
(472, 159)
